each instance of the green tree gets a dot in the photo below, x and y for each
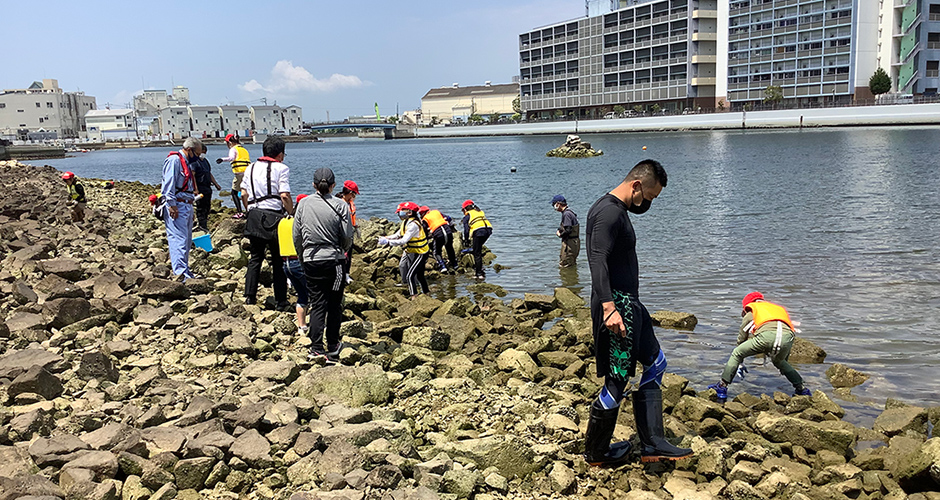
(773, 94)
(619, 110)
(559, 113)
(721, 105)
(637, 109)
(494, 117)
(475, 118)
(656, 108)
(880, 82)
(393, 119)
(517, 105)
(516, 117)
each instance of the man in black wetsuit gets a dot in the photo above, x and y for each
(623, 330)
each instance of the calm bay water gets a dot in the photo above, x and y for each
(840, 226)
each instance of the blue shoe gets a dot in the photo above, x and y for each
(802, 392)
(721, 390)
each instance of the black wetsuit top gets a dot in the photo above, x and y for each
(611, 249)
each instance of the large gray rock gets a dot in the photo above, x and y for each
(253, 448)
(97, 365)
(434, 339)
(538, 302)
(513, 360)
(673, 319)
(355, 386)
(842, 376)
(192, 473)
(70, 269)
(163, 289)
(280, 371)
(511, 455)
(16, 362)
(56, 450)
(104, 464)
(894, 421)
(63, 312)
(832, 436)
(920, 471)
(566, 299)
(37, 381)
(804, 351)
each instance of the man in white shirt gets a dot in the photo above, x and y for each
(266, 194)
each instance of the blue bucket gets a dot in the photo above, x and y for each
(204, 242)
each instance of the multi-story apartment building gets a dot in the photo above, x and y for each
(206, 121)
(266, 119)
(43, 110)
(173, 122)
(813, 50)
(236, 120)
(638, 52)
(909, 44)
(111, 124)
(293, 119)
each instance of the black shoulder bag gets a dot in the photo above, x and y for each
(262, 223)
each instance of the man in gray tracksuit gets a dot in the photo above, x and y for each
(323, 233)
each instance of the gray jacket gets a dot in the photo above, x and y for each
(320, 232)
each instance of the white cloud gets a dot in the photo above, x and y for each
(287, 79)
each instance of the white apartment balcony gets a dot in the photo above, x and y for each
(704, 37)
(704, 59)
(704, 14)
(703, 81)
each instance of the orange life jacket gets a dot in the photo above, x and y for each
(765, 312)
(434, 220)
(352, 211)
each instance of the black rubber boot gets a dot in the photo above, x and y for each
(597, 448)
(648, 411)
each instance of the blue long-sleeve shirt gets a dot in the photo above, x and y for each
(174, 181)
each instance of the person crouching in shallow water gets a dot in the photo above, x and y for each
(77, 198)
(476, 230)
(765, 329)
(623, 330)
(322, 235)
(414, 237)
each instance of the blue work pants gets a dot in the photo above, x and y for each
(179, 236)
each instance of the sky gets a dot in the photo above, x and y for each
(341, 57)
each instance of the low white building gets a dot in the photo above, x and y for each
(266, 119)
(236, 120)
(111, 125)
(293, 119)
(206, 121)
(174, 123)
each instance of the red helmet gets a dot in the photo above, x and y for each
(423, 209)
(229, 137)
(466, 204)
(751, 297)
(351, 186)
(300, 197)
(68, 175)
(409, 205)
(399, 207)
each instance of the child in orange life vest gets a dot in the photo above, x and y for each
(765, 329)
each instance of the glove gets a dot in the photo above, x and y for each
(466, 250)
(218, 160)
(742, 371)
(383, 240)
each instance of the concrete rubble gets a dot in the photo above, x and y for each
(117, 382)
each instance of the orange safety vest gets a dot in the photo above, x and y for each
(434, 220)
(765, 312)
(352, 211)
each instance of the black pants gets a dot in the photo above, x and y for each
(479, 238)
(348, 262)
(411, 267)
(202, 209)
(325, 284)
(258, 248)
(444, 240)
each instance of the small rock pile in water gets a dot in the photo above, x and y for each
(118, 383)
(574, 148)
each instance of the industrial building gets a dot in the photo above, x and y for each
(456, 104)
(111, 125)
(43, 111)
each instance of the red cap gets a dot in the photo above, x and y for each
(423, 209)
(68, 175)
(300, 197)
(229, 137)
(751, 297)
(351, 186)
(409, 205)
(467, 204)
(153, 199)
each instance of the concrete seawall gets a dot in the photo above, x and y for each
(903, 114)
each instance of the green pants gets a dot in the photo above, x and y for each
(763, 343)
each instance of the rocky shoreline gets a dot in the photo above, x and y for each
(117, 382)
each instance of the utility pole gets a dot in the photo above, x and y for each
(327, 117)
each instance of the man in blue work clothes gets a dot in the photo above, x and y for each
(179, 191)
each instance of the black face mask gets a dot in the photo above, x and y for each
(642, 207)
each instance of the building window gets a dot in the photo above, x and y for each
(20, 111)
(3, 105)
(38, 104)
(48, 104)
(40, 120)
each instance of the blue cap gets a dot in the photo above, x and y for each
(558, 199)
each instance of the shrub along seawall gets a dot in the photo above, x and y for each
(118, 382)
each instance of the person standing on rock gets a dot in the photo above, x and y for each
(77, 200)
(569, 231)
(295, 270)
(442, 237)
(765, 329)
(238, 157)
(202, 170)
(266, 195)
(178, 190)
(623, 329)
(348, 194)
(414, 237)
(476, 230)
(323, 233)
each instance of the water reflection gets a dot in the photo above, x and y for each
(570, 278)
